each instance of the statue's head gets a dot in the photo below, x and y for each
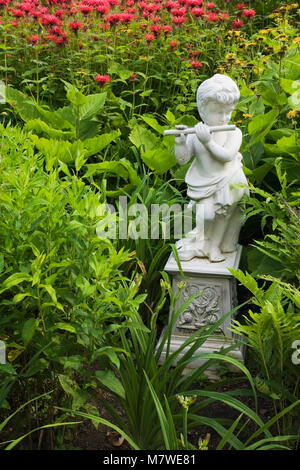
(219, 91)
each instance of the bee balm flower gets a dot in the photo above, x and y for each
(102, 79)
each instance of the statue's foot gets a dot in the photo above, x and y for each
(228, 248)
(215, 256)
(187, 255)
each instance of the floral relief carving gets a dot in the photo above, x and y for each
(203, 311)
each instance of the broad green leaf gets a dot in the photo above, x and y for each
(159, 159)
(20, 297)
(74, 95)
(14, 280)
(110, 353)
(96, 144)
(261, 124)
(152, 122)
(40, 127)
(22, 104)
(289, 86)
(71, 388)
(87, 129)
(64, 326)
(119, 70)
(109, 380)
(92, 106)
(170, 117)
(142, 137)
(54, 118)
(28, 330)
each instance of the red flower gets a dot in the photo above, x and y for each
(102, 79)
(102, 9)
(196, 65)
(178, 19)
(75, 26)
(167, 29)
(194, 3)
(34, 39)
(17, 12)
(198, 11)
(178, 11)
(249, 13)
(85, 9)
(149, 38)
(210, 6)
(173, 44)
(133, 77)
(241, 6)
(50, 20)
(155, 28)
(237, 24)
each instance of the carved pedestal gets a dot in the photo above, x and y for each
(218, 297)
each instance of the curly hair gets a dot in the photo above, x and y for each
(219, 88)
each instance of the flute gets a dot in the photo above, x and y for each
(191, 130)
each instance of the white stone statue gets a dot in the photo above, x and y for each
(216, 167)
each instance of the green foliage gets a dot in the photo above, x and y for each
(64, 298)
(150, 387)
(281, 220)
(71, 132)
(270, 332)
(13, 443)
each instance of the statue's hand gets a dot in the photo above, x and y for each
(203, 133)
(181, 139)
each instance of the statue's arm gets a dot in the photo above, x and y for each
(183, 147)
(229, 150)
(224, 153)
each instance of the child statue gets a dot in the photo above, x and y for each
(216, 168)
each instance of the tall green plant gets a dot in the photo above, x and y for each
(270, 331)
(62, 290)
(158, 403)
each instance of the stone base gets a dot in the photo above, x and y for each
(218, 296)
(211, 345)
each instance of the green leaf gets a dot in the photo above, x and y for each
(159, 159)
(40, 127)
(64, 326)
(152, 122)
(142, 137)
(22, 104)
(71, 388)
(92, 106)
(28, 330)
(74, 95)
(96, 144)
(106, 423)
(289, 86)
(260, 125)
(119, 70)
(109, 380)
(19, 297)
(170, 117)
(38, 365)
(15, 279)
(167, 427)
(110, 353)
(229, 433)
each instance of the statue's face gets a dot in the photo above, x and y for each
(216, 114)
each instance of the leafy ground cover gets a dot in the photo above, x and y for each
(90, 87)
